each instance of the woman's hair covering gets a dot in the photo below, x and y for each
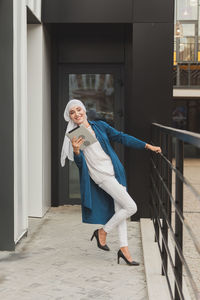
(70, 104)
(67, 149)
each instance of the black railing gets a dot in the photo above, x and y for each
(163, 201)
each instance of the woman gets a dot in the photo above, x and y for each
(104, 197)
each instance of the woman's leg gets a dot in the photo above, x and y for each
(122, 229)
(124, 208)
(120, 195)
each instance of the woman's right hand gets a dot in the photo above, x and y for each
(76, 143)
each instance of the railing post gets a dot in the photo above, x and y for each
(178, 224)
(157, 233)
(169, 179)
(153, 139)
(178, 75)
(189, 74)
(165, 205)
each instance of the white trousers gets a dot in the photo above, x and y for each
(125, 207)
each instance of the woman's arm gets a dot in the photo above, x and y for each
(123, 138)
(76, 143)
(127, 140)
(78, 160)
(153, 148)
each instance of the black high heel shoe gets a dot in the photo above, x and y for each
(130, 263)
(105, 247)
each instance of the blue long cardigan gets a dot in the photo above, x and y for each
(97, 206)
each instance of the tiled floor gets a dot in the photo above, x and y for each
(58, 261)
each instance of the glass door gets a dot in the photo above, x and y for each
(101, 92)
(96, 91)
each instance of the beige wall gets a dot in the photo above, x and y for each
(39, 120)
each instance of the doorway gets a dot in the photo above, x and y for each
(100, 88)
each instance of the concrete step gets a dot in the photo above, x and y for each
(156, 283)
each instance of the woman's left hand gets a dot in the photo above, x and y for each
(153, 148)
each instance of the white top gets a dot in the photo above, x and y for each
(98, 162)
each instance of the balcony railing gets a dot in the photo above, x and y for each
(186, 75)
(163, 202)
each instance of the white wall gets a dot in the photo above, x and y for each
(32, 117)
(35, 7)
(46, 128)
(20, 120)
(34, 77)
(39, 120)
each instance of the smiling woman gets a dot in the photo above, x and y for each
(77, 114)
(104, 195)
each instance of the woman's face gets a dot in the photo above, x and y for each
(77, 114)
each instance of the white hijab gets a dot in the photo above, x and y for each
(67, 149)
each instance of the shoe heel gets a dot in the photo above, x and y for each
(118, 257)
(92, 237)
(130, 263)
(95, 234)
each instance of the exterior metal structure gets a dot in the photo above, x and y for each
(6, 126)
(147, 46)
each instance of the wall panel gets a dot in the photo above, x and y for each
(153, 11)
(87, 11)
(152, 99)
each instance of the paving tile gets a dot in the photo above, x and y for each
(58, 261)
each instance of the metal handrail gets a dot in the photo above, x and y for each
(162, 194)
(183, 135)
(186, 181)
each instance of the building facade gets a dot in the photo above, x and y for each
(186, 68)
(116, 56)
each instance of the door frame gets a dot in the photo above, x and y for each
(118, 71)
